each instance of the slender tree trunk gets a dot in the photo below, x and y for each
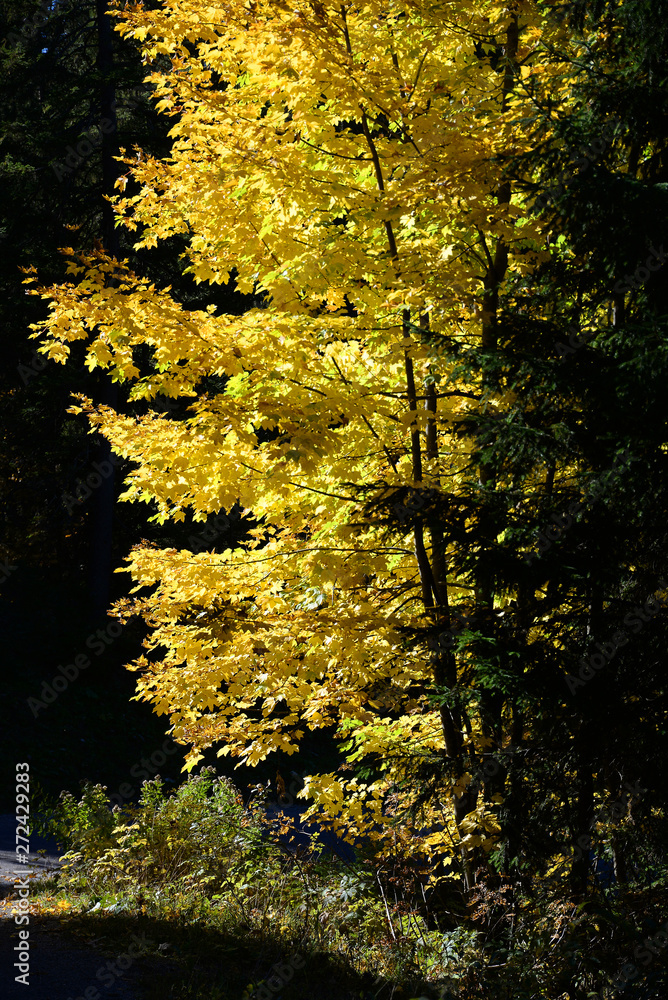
(491, 702)
(584, 814)
(619, 859)
(110, 149)
(106, 392)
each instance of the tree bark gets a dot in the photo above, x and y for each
(106, 392)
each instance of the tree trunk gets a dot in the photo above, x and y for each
(104, 495)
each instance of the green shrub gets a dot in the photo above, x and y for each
(198, 837)
(196, 853)
(85, 825)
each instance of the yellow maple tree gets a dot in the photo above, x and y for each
(344, 163)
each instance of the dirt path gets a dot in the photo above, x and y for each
(59, 969)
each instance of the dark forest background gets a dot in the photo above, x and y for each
(72, 95)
